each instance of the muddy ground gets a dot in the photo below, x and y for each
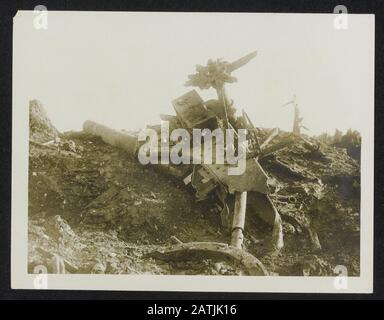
(94, 209)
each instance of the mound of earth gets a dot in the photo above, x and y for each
(95, 209)
(41, 128)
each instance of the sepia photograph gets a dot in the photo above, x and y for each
(193, 151)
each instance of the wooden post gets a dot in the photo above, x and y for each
(296, 121)
(239, 219)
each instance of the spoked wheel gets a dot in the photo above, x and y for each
(211, 250)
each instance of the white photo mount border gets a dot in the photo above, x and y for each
(20, 279)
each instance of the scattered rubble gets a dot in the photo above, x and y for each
(350, 142)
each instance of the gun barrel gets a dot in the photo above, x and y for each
(113, 137)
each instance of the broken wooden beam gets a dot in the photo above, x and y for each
(261, 205)
(267, 141)
(284, 143)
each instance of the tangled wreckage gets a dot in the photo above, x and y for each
(293, 211)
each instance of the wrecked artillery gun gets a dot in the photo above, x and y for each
(234, 194)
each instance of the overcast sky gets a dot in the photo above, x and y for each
(124, 69)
